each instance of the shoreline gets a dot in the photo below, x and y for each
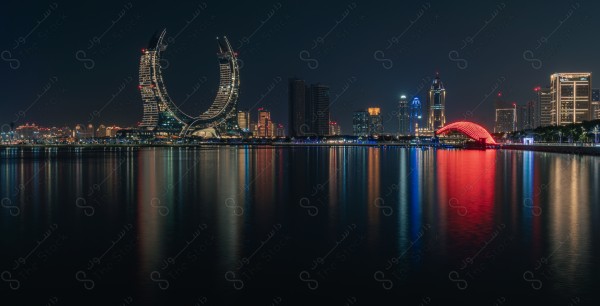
(550, 148)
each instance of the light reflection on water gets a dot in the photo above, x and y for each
(491, 216)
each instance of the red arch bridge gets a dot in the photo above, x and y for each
(470, 129)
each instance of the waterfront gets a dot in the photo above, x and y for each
(269, 225)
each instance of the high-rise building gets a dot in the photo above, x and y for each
(243, 120)
(526, 116)
(360, 123)
(334, 128)
(319, 108)
(375, 121)
(403, 116)
(571, 95)
(265, 126)
(595, 104)
(308, 108)
(543, 107)
(436, 104)
(297, 108)
(416, 116)
(506, 119)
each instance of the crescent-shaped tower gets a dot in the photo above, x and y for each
(162, 115)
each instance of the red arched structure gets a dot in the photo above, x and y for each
(470, 129)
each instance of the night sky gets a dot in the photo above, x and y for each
(77, 62)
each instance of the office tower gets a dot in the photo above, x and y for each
(416, 116)
(308, 108)
(403, 116)
(436, 104)
(543, 106)
(595, 104)
(319, 109)
(265, 125)
(297, 108)
(526, 116)
(571, 96)
(360, 123)
(243, 120)
(375, 121)
(506, 118)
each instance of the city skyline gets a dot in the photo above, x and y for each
(78, 78)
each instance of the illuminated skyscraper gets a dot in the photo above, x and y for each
(265, 125)
(416, 115)
(360, 123)
(403, 116)
(375, 121)
(243, 120)
(436, 104)
(571, 95)
(543, 107)
(506, 119)
(160, 112)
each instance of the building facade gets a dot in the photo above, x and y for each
(243, 120)
(308, 108)
(297, 108)
(571, 95)
(416, 116)
(543, 106)
(436, 104)
(403, 116)
(595, 104)
(375, 121)
(319, 106)
(360, 123)
(506, 119)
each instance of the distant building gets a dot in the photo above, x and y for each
(101, 131)
(265, 126)
(27, 131)
(416, 116)
(308, 108)
(298, 118)
(280, 131)
(571, 95)
(319, 106)
(334, 128)
(375, 121)
(403, 116)
(436, 105)
(526, 116)
(243, 120)
(506, 119)
(543, 107)
(360, 123)
(595, 104)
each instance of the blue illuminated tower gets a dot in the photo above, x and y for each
(416, 115)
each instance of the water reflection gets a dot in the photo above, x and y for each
(200, 213)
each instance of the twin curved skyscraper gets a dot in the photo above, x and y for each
(162, 115)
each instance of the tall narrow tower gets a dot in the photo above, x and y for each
(436, 104)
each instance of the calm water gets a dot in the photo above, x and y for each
(302, 225)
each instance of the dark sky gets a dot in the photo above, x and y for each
(58, 68)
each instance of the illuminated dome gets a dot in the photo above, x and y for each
(470, 129)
